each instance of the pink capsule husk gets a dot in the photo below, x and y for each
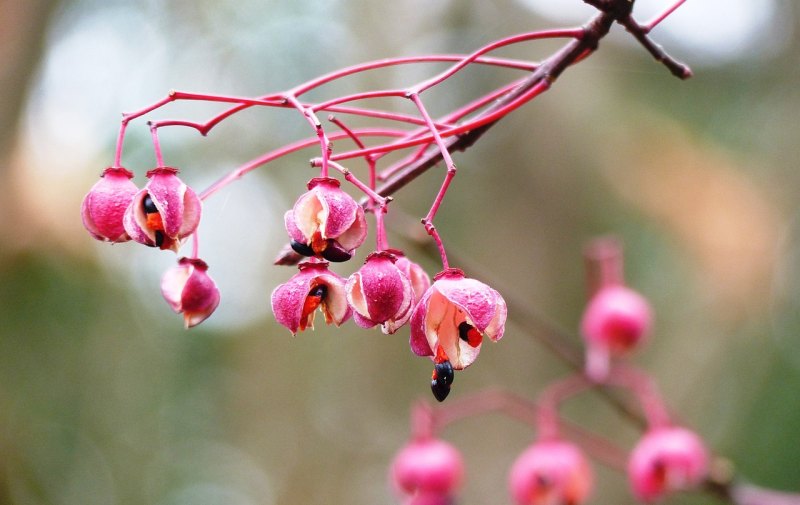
(551, 472)
(420, 280)
(178, 205)
(451, 300)
(379, 293)
(104, 206)
(289, 298)
(328, 210)
(427, 467)
(188, 289)
(667, 460)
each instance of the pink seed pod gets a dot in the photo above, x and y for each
(188, 289)
(104, 205)
(616, 321)
(380, 293)
(295, 302)
(551, 472)
(667, 460)
(427, 468)
(326, 222)
(164, 212)
(420, 281)
(452, 318)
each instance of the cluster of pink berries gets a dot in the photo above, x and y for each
(554, 470)
(449, 318)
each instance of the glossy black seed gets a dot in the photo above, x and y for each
(444, 372)
(335, 253)
(159, 238)
(302, 249)
(463, 331)
(319, 291)
(149, 205)
(440, 389)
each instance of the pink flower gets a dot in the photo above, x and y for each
(189, 290)
(453, 316)
(380, 293)
(326, 222)
(616, 320)
(666, 460)
(428, 468)
(295, 302)
(104, 205)
(551, 472)
(164, 212)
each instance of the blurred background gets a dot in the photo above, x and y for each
(106, 399)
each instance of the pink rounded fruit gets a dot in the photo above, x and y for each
(427, 467)
(380, 293)
(104, 205)
(189, 290)
(666, 460)
(551, 472)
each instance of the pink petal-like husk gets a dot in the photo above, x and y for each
(451, 300)
(200, 298)
(179, 206)
(681, 451)
(355, 235)
(134, 221)
(104, 206)
(288, 298)
(308, 214)
(172, 284)
(187, 288)
(339, 208)
(378, 290)
(420, 281)
(561, 465)
(363, 322)
(292, 229)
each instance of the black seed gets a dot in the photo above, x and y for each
(159, 238)
(444, 372)
(319, 291)
(463, 331)
(335, 253)
(440, 389)
(149, 205)
(302, 249)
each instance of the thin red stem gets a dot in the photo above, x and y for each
(661, 17)
(156, 146)
(325, 144)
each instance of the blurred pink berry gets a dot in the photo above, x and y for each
(616, 320)
(326, 222)
(427, 468)
(452, 318)
(380, 293)
(666, 460)
(420, 281)
(295, 302)
(551, 473)
(104, 205)
(189, 290)
(164, 212)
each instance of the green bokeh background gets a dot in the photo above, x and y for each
(105, 399)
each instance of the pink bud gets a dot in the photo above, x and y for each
(104, 205)
(427, 467)
(189, 290)
(666, 460)
(551, 472)
(379, 293)
(453, 316)
(326, 222)
(616, 320)
(295, 302)
(164, 212)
